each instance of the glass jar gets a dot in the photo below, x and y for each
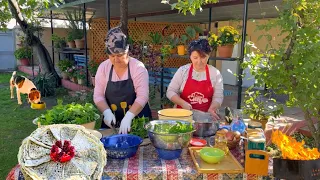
(220, 141)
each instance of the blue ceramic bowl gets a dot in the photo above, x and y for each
(168, 154)
(121, 146)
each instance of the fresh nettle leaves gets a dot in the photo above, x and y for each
(173, 129)
(69, 114)
(137, 127)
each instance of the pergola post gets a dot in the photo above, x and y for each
(85, 41)
(243, 43)
(52, 45)
(108, 13)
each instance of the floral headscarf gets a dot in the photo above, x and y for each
(116, 41)
(199, 45)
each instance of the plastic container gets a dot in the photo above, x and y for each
(254, 125)
(121, 146)
(175, 114)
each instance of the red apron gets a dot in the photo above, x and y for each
(198, 93)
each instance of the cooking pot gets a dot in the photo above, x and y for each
(205, 125)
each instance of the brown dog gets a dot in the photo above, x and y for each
(25, 86)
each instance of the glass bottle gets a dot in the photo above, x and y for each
(220, 141)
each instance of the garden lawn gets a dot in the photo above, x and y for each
(15, 125)
(16, 120)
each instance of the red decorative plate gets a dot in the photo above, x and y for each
(198, 142)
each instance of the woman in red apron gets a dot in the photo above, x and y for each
(197, 85)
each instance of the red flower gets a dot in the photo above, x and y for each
(62, 153)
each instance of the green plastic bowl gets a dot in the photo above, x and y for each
(212, 155)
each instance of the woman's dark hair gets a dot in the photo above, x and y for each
(201, 46)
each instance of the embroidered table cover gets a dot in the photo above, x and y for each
(146, 165)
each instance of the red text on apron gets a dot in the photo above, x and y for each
(198, 93)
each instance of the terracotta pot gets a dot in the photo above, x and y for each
(74, 79)
(89, 125)
(157, 47)
(225, 51)
(181, 50)
(71, 44)
(173, 51)
(64, 75)
(213, 53)
(93, 80)
(263, 122)
(24, 62)
(81, 81)
(79, 43)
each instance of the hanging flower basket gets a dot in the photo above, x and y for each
(225, 51)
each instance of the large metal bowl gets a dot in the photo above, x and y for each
(168, 141)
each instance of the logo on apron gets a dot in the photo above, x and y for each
(197, 98)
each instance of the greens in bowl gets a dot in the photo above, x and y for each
(69, 114)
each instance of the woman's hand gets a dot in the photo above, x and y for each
(213, 112)
(108, 117)
(125, 125)
(186, 106)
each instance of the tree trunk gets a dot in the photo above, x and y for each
(43, 54)
(311, 126)
(124, 16)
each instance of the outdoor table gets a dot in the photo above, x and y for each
(146, 165)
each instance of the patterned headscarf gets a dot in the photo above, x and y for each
(116, 41)
(199, 45)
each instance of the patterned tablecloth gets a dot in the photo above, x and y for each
(146, 165)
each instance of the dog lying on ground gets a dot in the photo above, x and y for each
(25, 86)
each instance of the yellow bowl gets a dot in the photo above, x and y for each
(40, 105)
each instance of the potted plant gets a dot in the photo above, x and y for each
(257, 108)
(293, 160)
(78, 38)
(24, 55)
(173, 41)
(228, 36)
(213, 42)
(156, 40)
(93, 67)
(72, 74)
(63, 65)
(70, 40)
(85, 115)
(181, 45)
(59, 42)
(81, 75)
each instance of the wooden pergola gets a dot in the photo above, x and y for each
(155, 11)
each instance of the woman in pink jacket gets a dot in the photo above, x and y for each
(121, 90)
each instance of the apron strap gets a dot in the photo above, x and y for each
(190, 72)
(207, 73)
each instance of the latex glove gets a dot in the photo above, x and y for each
(213, 111)
(186, 106)
(108, 117)
(125, 125)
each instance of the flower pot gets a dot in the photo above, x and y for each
(225, 51)
(93, 80)
(213, 53)
(296, 169)
(71, 44)
(181, 50)
(64, 75)
(79, 43)
(74, 79)
(81, 81)
(173, 51)
(24, 62)
(89, 125)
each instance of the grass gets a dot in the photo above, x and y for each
(16, 121)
